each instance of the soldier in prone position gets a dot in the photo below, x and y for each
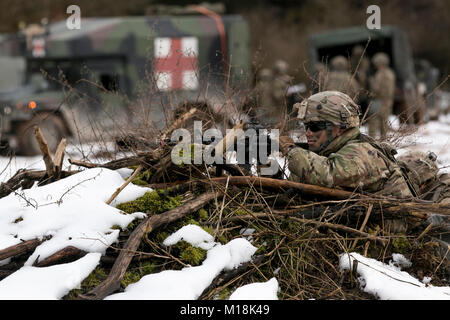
(339, 155)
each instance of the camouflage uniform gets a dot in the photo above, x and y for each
(263, 96)
(360, 65)
(319, 77)
(424, 175)
(280, 86)
(351, 160)
(382, 87)
(340, 79)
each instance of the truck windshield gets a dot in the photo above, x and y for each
(12, 75)
(52, 74)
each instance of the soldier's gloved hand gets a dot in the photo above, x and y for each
(286, 144)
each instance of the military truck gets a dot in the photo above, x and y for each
(118, 73)
(390, 40)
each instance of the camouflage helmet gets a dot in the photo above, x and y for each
(357, 50)
(422, 166)
(380, 58)
(280, 66)
(332, 106)
(320, 67)
(339, 63)
(265, 73)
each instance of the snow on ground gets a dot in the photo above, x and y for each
(433, 136)
(189, 283)
(257, 291)
(50, 283)
(73, 212)
(388, 282)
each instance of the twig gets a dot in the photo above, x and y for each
(49, 165)
(112, 282)
(366, 218)
(342, 228)
(114, 195)
(424, 232)
(20, 248)
(59, 157)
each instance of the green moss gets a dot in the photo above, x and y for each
(208, 229)
(191, 221)
(94, 279)
(138, 181)
(261, 249)
(131, 276)
(202, 214)
(400, 244)
(191, 255)
(223, 294)
(142, 178)
(18, 220)
(152, 202)
(147, 268)
(241, 212)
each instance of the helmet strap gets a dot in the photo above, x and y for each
(329, 127)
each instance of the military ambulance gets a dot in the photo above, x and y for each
(117, 73)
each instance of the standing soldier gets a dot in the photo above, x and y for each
(263, 96)
(319, 77)
(360, 65)
(340, 79)
(382, 87)
(281, 82)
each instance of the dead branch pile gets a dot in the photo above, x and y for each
(300, 230)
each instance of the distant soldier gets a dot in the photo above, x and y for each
(31, 31)
(340, 79)
(360, 65)
(413, 111)
(280, 85)
(319, 77)
(265, 106)
(382, 87)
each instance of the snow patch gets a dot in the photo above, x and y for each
(388, 282)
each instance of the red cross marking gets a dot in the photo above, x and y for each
(38, 47)
(176, 63)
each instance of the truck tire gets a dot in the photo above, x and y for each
(52, 128)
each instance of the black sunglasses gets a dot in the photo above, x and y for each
(315, 126)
